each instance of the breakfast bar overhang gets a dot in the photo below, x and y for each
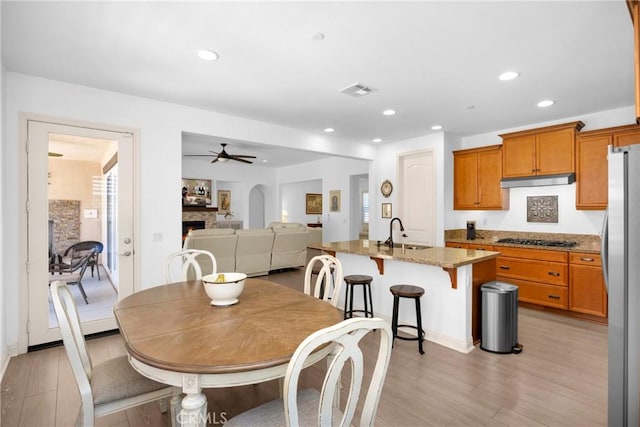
(451, 278)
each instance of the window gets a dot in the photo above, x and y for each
(365, 207)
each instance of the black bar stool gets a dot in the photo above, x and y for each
(351, 281)
(407, 291)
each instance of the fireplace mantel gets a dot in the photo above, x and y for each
(199, 209)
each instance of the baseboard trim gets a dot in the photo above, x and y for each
(454, 344)
(59, 343)
(11, 351)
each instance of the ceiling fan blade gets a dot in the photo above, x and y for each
(241, 160)
(200, 155)
(214, 160)
(235, 156)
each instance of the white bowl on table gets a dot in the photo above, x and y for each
(225, 292)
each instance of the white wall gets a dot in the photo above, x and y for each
(293, 200)
(335, 174)
(570, 220)
(4, 358)
(385, 167)
(161, 125)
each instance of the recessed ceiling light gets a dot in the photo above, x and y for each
(509, 75)
(207, 55)
(389, 112)
(265, 161)
(436, 127)
(546, 103)
(318, 37)
(329, 130)
(376, 140)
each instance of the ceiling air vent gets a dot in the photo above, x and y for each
(357, 90)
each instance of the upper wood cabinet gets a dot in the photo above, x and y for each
(542, 151)
(476, 179)
(592, 148)
(592, 170)
(626, 135)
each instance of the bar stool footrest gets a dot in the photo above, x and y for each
(410, 338)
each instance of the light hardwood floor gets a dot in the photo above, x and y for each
(560, 379)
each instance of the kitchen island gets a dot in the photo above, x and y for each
(451, 278)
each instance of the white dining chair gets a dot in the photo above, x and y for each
(328, 282)
(189, 262)
(311, 407)
(108, 387)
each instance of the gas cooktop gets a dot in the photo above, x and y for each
(539, 242)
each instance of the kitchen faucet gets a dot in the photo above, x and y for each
(390, 239)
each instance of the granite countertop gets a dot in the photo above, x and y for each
(585, 242)
(437, 256)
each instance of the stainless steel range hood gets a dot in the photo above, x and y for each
(538, 181)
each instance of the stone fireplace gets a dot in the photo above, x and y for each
(187, 226)
(194, 218)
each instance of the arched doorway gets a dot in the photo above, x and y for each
(257, 207)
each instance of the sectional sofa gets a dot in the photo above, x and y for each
(255, 251)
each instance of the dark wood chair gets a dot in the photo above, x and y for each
(72, 264)
(73, 272)
(71, 256)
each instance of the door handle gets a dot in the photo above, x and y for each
(125, 253)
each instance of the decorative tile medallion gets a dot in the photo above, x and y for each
(542, 209)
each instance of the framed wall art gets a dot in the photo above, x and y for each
(386, 210)
(334, 201)
(196, 192)
(313, 203)
(224, 201)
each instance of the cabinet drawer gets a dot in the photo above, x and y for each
(533, 254)
(457, 245)
(537, 271)
(585, 259)
(536, 293)
(480, 247)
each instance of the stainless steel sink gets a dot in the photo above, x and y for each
(411, 246)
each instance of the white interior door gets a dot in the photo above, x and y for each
(418, 196)
(40, 328)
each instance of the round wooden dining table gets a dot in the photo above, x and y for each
(175, 336)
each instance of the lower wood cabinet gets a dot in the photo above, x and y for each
(564, 280)
(542, 276)
(587, 291)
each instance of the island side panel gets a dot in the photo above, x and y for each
(446, 312)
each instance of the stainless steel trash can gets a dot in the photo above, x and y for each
(499, 318)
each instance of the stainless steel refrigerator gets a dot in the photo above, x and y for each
(621, 261)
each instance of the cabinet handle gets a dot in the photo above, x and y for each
(554, 273)
(587, 259)
(553, 296)
(505, 267)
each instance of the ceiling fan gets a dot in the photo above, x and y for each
(223, 156)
